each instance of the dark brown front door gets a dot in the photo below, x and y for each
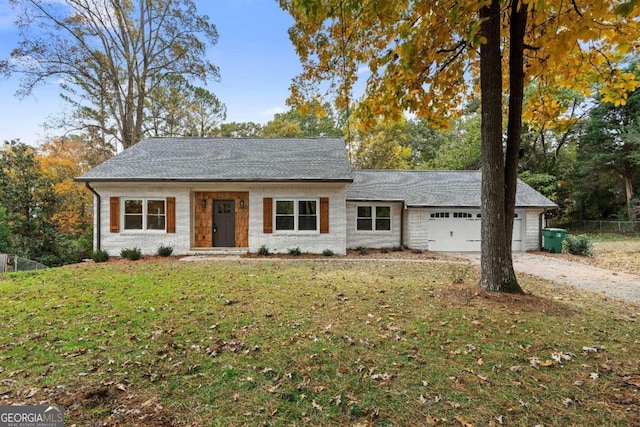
(224, 224)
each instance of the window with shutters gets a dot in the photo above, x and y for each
(296, 215)
(144, 214)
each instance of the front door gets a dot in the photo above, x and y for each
(224, 223)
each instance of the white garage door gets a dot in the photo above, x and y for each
(459, 231)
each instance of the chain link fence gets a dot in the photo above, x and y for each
(11, 263)
(592, 226)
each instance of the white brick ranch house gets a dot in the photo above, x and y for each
(205, 194)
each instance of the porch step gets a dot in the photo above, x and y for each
(219, 251)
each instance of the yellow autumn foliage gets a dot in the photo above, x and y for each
(423, 56)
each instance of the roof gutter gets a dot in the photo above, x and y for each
(98, 216)
(215, 180)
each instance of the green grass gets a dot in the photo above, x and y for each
(610, 237)
(314, 343)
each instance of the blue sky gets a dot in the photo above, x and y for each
(256, 59)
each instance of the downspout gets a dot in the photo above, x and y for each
(97, 219)
(541, 224)
(402, 211)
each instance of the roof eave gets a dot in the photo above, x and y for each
(374, 200)
(153, 180)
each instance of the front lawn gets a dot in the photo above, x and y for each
(313, 343)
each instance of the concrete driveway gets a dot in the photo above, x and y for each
(620, 285)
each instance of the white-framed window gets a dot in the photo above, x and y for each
(145, 214)
(462, 215)
(299, 215)
(440, 215)
(373, 218)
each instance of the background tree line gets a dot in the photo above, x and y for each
(588, 163)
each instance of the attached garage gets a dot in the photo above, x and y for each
(441, 209)
(458, 230)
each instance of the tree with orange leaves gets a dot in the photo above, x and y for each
(62, 160)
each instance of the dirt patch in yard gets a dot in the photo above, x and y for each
(104, 404)
(618, 256)
(469, 295)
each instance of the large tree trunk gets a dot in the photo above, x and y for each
(517, 28)
(496, 264)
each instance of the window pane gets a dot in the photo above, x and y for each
(307, 222)
(133, 222)
(284, 207)
(155, 215)
(133, 206)
(155, 207)
(364, 224)
(383, 212)
(133, 214)
(383, 224)
(307, 207)
(284, 222)
(155, 222)
(364, 211)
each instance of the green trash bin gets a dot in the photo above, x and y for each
(552, 239)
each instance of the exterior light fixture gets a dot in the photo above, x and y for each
(203, 203)
(241, 203)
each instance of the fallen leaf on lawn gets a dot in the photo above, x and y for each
(561, 357)
(594, 376)
(316, 406)
(28, 394)
(454, 405)
(463, 422)
(633, 381)
(273, 389)
(384, 376)
(515, 368)
(567, 402)
(483, 380)
(593, 349)
(547, 363)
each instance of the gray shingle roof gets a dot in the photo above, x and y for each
(227, 159)
(432, 188)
